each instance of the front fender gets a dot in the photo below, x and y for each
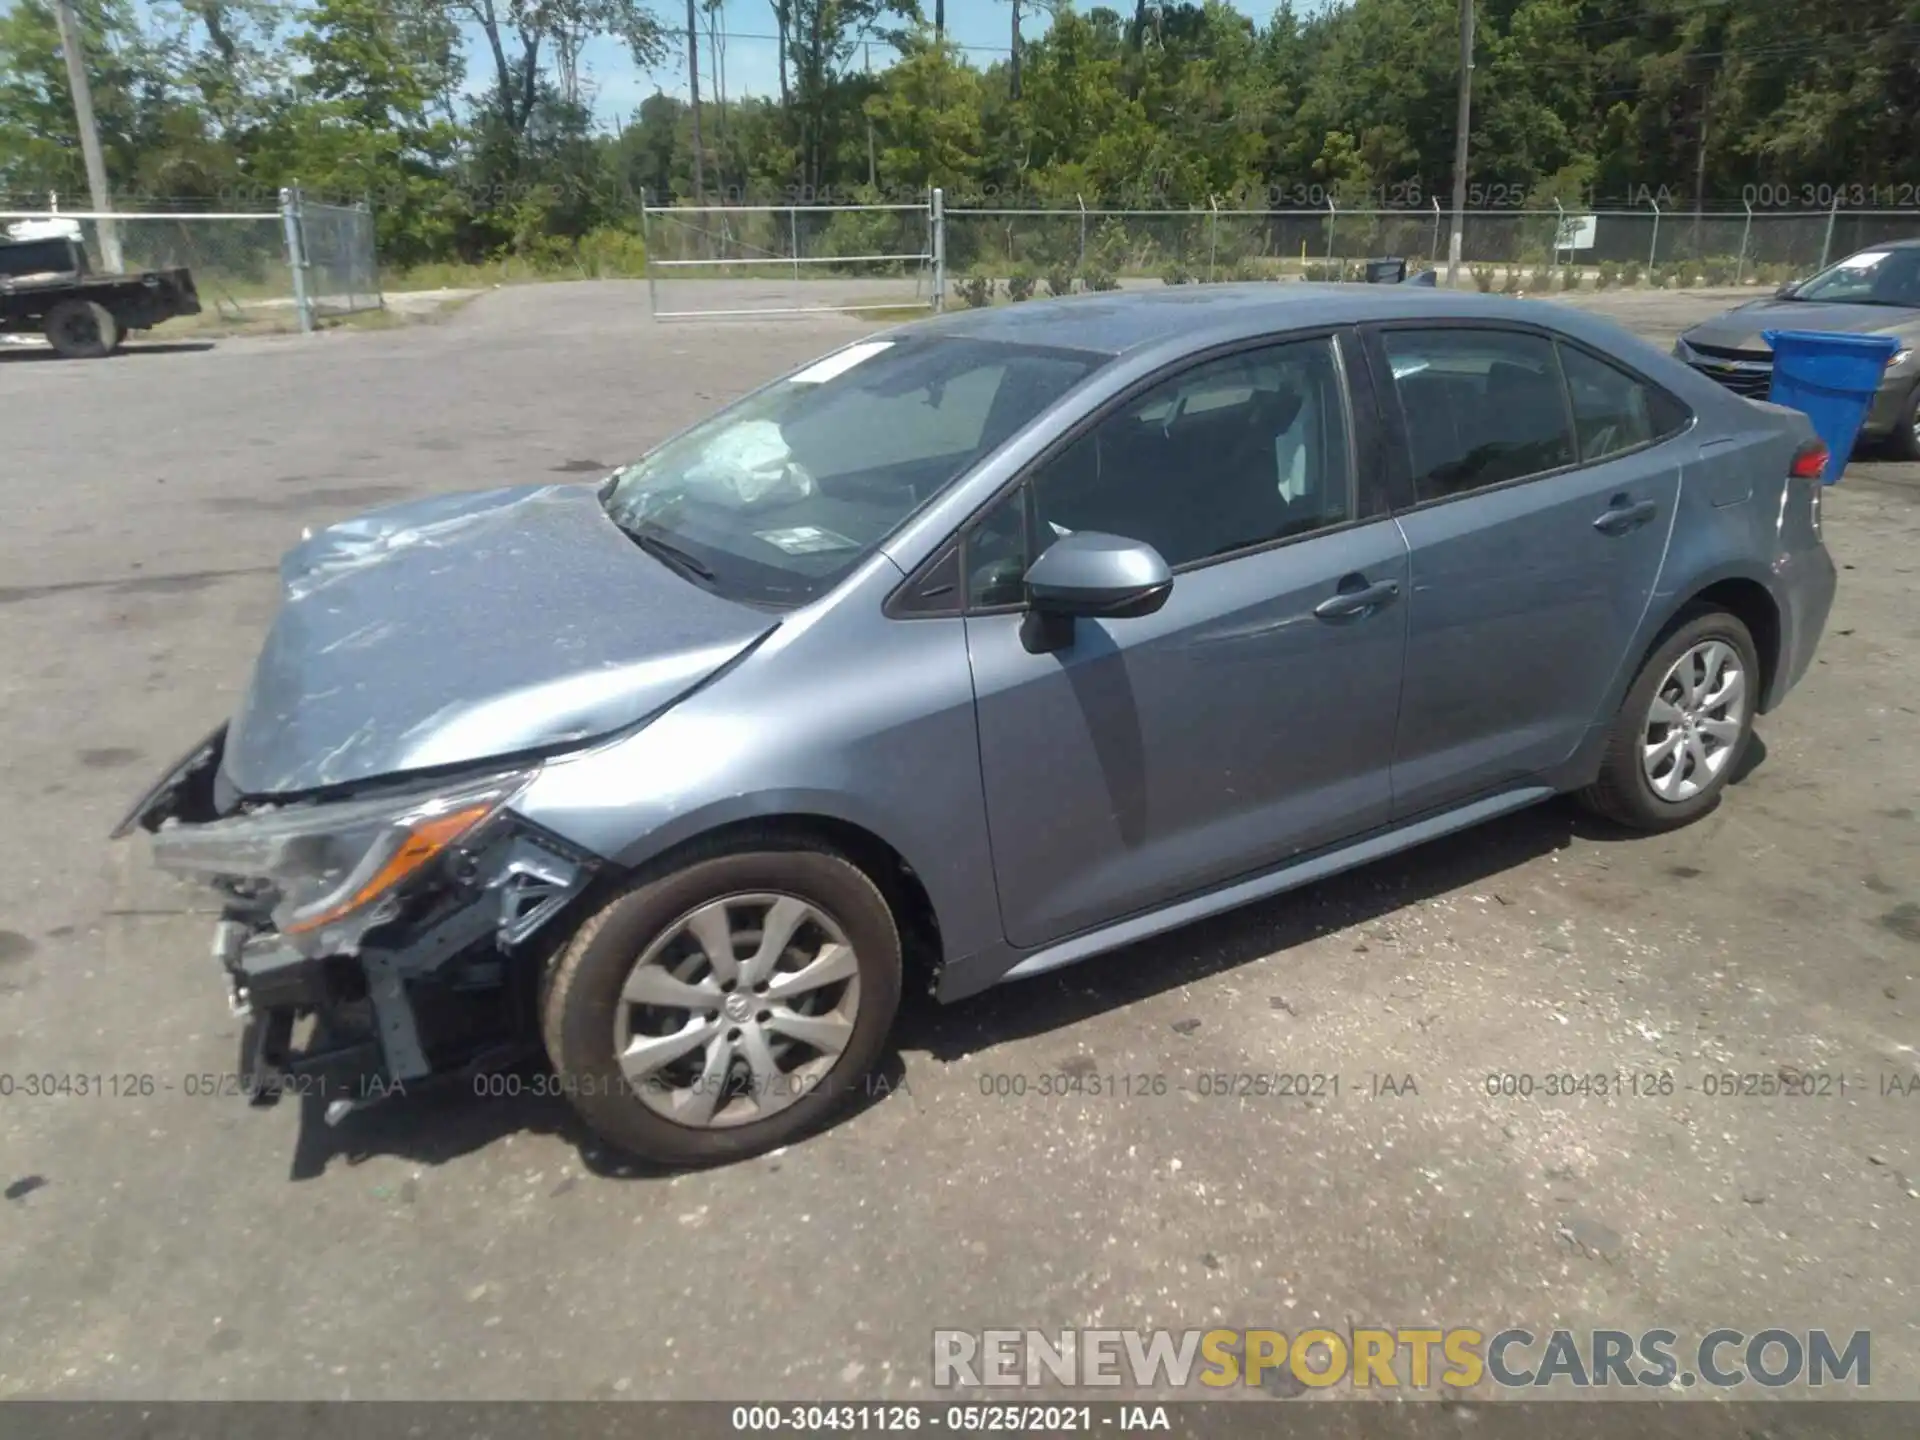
(874, 729)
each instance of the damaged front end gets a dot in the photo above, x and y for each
(374, 939)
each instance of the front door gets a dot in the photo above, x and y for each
(1252, 717)
(1543, 496)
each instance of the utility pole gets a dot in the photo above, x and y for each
(693, 92)
(1013, 73)
(1460, 142)
(76, 59)
(873, 173)
(1700, 172)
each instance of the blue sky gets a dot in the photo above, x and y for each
(748, 52)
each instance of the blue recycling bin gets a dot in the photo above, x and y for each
(1832, 380)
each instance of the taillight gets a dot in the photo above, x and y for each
(1809, 461)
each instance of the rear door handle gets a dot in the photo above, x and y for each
(1620, 516)
(1358, 600)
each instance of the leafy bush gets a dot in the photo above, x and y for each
(1659, 276)
(1060, 280)
(1100, 280)
(974, 291)
(1482, 277)
(862, 232)
(1629, 272)
(1019, 284)
(1511, 285)
(609, 254)
(1176, 272)
(1319, 274)
(1720, 269)
(1538, 280)
(1110, 252)
(1609, 276)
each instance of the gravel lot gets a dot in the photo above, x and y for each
(177, 1246)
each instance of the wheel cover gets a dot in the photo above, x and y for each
(79, 327)
(736, 1010)
(1694, 722)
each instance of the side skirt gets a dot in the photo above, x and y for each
(1273, 882)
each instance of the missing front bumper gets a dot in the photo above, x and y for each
(447, 991)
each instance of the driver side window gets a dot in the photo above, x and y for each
(1229, 455)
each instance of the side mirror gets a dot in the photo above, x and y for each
(1786, 291)
(1088, 575)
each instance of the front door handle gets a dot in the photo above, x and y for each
(1620, 516)
(1358, 600)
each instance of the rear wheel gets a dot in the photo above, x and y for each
(82, 329)
(727, 1008)
(1683, 727)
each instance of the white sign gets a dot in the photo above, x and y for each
(1576, 232)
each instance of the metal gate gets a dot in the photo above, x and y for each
(793, 259)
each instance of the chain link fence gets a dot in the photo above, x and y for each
(254, 270)
(1503, 249)
(239, 261)
(342, 268)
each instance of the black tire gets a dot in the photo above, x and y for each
(1904, 442)
(1622, 792)
(82, 330)
(585, 980)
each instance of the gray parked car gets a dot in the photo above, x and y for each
(1876, 292)
(973, 650)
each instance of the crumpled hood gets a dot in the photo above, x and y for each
(1740, 329)
(451, 630)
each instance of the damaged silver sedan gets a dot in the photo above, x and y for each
(970, 651)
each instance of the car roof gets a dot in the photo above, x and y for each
(1116, 322)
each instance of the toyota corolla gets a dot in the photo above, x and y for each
(981, 647)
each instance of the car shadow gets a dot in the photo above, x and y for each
(447, 1120)
(21, 354)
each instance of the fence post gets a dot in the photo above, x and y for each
(1083, 233)
(646, 258)
(939, 250)
(1433, 250)
(1331, 213)
(296, 255)
(1740, 264)
(1653, 250)
(793, 229)
(373, 253)
(1826, 244)
(1213, 235)
(1559, 229)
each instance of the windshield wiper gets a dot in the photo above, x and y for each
(670, 555)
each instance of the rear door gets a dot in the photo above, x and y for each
(1538, 493)
(1250, 718)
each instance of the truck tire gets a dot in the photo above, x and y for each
(82, 330)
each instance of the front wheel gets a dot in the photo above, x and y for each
(726, 1008)
(1683, 727)
(1905, 440)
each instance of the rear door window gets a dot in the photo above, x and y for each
(1482, 407)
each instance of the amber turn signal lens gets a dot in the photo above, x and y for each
(426, 840)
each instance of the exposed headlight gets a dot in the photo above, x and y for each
(1900, 357)
(336, 870)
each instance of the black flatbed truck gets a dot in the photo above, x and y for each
(48, 287)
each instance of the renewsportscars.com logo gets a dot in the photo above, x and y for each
(1416, 1358)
